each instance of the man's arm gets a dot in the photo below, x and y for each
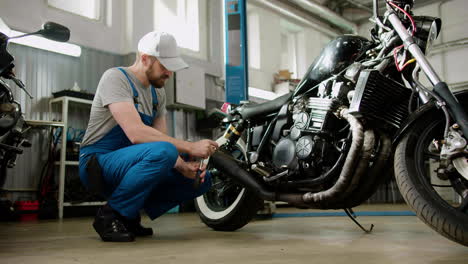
(160, 124)
(137, 132)
(188, 169)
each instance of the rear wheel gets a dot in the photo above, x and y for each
(441, 204)
(227, 206)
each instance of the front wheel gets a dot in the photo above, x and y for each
(227, 206)
(440, 203)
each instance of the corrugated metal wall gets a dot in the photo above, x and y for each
(46, 72)
(43, 73)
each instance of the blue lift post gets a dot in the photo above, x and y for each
(237, 67)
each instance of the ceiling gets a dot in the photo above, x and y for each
(359, 10)
(355, 11)
(339, 5)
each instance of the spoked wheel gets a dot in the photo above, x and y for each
(441, 201)
(227, 206)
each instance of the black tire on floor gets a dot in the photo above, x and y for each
(238, 207)
(418, 193)
(243, 209)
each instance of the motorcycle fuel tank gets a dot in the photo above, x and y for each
(335, 57)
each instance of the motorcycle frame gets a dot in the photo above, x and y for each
(367, 135)
(446, 99)
(440, 88)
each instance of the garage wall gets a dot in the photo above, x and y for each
(43, 73)
(309, 44)
(449, 62)
(46, 72)
(270, 46)
(29, 15)
(129, 21)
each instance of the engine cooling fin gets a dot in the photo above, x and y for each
(378, 98)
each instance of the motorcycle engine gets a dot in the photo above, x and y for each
(308, 145)
(9, 110)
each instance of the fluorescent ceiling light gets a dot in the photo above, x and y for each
(45, 44)
(262, 94)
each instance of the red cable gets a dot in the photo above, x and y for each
(395, 57)
(413, 24)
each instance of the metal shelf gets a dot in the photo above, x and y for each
(70, 163)
(62, 99)
(85, 204)
(65, 103)
(44, 123)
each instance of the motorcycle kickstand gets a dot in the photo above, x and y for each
(352, 215)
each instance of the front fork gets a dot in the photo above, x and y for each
(440, 88)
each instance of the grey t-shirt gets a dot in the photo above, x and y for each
(113, 88)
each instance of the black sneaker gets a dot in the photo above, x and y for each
(136, 228)
(110, 227)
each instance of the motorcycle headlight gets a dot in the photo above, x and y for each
(428, 29)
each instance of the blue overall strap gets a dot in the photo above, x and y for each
(155, 100)
(135, 93)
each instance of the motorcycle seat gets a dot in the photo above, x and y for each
(253, 110)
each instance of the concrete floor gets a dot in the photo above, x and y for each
(182, 238)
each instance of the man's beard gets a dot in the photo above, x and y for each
(157, 82)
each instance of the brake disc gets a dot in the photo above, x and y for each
(461, 164)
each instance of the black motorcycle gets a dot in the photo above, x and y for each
(12, 125)
(359, 110)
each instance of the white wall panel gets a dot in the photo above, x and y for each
(29, 15)
(190, 85)
(310, 43)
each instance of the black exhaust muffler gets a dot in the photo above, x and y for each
(231, 168)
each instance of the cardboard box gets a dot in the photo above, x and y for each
(284, 74)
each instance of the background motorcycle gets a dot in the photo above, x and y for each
(12, 126)
(329, 143)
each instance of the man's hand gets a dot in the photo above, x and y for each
(190, 169)
(203, 148)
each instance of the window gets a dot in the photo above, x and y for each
(289, 47)
(180, 18)
(288, 53)
(87, 8)
(253, 38)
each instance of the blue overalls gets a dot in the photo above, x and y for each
(140, 176)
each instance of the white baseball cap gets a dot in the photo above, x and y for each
(163, 46)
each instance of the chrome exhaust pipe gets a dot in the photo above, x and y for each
(346, 176)
(345, 184)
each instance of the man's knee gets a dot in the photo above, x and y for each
(163, 151)
(170, 151)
